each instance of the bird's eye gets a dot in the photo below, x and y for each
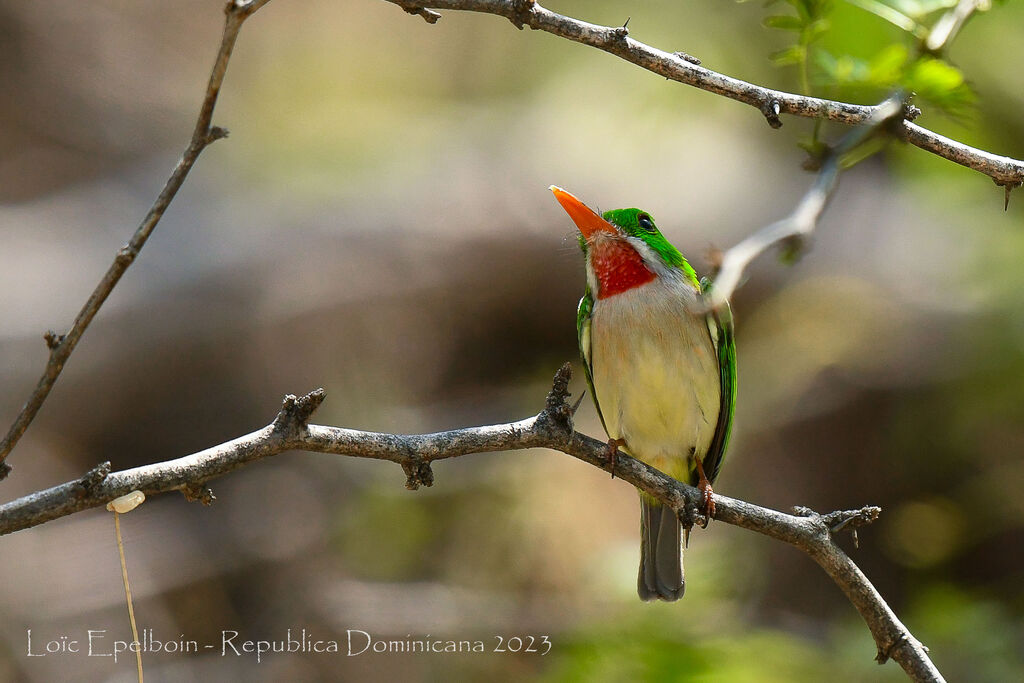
(645, 222)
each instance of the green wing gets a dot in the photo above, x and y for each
(583, 337)
(720, 325)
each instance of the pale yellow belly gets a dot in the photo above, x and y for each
(656, 375)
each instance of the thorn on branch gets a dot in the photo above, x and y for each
(429, 16)
(618, 34)
(687, 58)
(417, 473)
(1007, 186)
(295, 412)
(90, 480)
(771, 108)
(199, 493)
(579, 401)
(53, 340)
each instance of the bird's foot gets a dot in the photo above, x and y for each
(613, 451)
(705, 488)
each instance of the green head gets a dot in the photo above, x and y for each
(632, 227)
(640, 224)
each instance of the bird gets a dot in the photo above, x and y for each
(660, 366)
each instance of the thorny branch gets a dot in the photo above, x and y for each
(1005, 171)
(61, 345)
(677, 66)
(551, 428)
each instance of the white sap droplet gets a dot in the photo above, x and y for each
(127, 502)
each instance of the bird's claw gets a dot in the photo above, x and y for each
(707, 492)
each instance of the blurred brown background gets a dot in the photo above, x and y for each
(378, 224)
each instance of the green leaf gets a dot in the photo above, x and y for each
(842, 70)
(791, 55)
(816, 28)
(934, 75)
(888, 65)
(816, 149)
(783, 22)
(941, 84)
(805, 9)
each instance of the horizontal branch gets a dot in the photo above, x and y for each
(678, 67)
(551, 428)
(62, 345)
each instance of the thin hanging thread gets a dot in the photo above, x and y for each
(128, 594)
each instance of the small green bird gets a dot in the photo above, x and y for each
(660, 366)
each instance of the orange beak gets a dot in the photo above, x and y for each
(585, 218)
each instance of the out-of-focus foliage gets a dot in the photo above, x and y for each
(832, 56)
(378, 224)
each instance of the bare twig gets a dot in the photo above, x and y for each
(616, 41)
(797, 227)
(61, 346)
(950, 23)
(551, 428)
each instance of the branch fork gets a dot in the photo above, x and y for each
(553, 426)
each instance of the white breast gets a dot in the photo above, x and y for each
(656, 373)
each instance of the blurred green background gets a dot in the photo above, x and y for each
(378, 224)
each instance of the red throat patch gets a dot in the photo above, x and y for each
(618, 267)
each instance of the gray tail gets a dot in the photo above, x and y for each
(661, 560)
